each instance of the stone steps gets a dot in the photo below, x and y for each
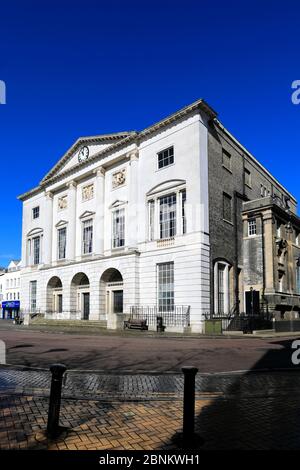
(70, 323)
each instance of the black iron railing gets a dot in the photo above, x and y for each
(242, 322)
(178, 316)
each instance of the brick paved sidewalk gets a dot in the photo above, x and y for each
(105, 412)
(235, 423)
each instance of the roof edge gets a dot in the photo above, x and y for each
(251, 156)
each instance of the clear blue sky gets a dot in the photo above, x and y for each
(76, 68)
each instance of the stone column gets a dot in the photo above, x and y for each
(71, 230)
(100, 204)
(46, 242)
(133, 206)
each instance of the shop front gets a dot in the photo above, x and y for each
(10, 309)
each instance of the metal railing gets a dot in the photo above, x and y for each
(242, 322)
(31, 312)
(179, 316)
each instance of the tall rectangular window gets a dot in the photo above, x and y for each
(36, 212)
(62, 243)
(226, 160)
(221, 288)
(151, 209)
(227, 207)
(167, 216)
(87, 237)
(248, 178)
(36, 250)
(166, 287)
(33, 291)
(165, 158)
(118, 228)
(183, 209)
(252, 227)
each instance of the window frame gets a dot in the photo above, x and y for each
(168, 301)
(248, 173)
(36, 208)
(226, 286)
(59, 230)
(118, 237)
(250, 226)
(84, 227)
(165, 158)
(31, 284)
(168, 226)
(229, 198)
(227, 154)
(36, 260)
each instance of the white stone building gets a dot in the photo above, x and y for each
(122, 221)
(10, 289)
(143, 223)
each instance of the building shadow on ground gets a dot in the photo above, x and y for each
(258, 410)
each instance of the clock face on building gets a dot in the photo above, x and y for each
(83, 154)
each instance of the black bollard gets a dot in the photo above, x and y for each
(189, 403)
(57, 371)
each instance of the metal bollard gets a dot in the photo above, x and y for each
(57, 371)
(189, 402)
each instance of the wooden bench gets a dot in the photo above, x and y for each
(136, 324)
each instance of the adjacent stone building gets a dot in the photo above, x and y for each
(153, 223)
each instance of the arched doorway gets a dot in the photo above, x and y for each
(54, 296)
(80, 297)
(111, 292)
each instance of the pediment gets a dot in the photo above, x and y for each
(35, 231)
(75, 156)
(87, 214)
(61, 223)
(170, 184)
(117, 203)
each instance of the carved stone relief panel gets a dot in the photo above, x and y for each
(62, 203)
(119, 178)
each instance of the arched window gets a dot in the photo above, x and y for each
(34, 246)
(221, 287)
(167, 210)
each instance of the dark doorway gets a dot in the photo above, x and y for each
(118, 301)
(60, 303)
(252, 302)
(86, 306)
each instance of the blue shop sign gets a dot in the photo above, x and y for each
(11, 304)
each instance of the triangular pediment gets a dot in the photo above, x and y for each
(87, 214)
(117, 203)
(82, 150)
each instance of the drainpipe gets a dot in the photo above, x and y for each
(237, 196)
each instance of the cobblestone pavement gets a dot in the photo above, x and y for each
(124, 412)
(96, 385)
